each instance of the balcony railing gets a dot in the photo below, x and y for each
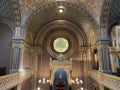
(9, 81)
(12, 80)
(110, 81)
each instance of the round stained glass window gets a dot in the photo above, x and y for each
(60, 44)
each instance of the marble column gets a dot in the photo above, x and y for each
(113, 60)
(35, 66)
(16, 60)
(103, 55)
(84, 58)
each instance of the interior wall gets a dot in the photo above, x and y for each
(5, 44)
(27, 84)
(44, 59)
(27, 57)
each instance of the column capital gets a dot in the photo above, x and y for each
(18, 43)
(17, 31)
(103, 44)
(37, 50)
(103, 41)
(82, 49)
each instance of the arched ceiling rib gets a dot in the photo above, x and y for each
(94, 6)
(49, 13)
(61, 25)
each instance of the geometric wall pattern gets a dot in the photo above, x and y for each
(94, 6)
(6, 10)
(50, 12)
(114, 14)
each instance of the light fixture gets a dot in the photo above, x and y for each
(21, 70)
(76, 79)
(77, 82)
(81, 81)
(73, 81)
(81, 88)
(38, 88)
(43, 79)
(60, 9)
(48, 81)
(39, 81)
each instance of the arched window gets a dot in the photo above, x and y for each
(60, 45)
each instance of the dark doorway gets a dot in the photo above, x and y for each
(60, 86)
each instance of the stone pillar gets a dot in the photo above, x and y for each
(113, 60)
(84, 58)
(16, 60)
(103, 55)
(35, 66)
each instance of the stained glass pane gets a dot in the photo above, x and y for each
(61, 44)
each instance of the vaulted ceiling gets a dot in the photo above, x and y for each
(6, 10)
(50, 12)
(114, 14)
(93, 6)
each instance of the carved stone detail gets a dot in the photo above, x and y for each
(9, 81)
(107, 80)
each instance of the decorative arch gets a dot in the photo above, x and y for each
(72, 32)
(88, 13)
(65, 24)
(9, 24)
